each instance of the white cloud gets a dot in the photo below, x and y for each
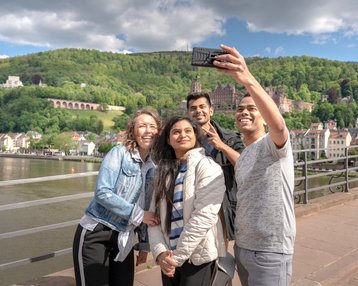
(293, 17)
(268, 49)
(3, 56)
(141, 25)
(320, 39)
(108, 25)
(279, 51)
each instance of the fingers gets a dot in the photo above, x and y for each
(213, 136)
(232, 61)
(151, 218)
(211, 131)
(141, 257)
(229, 64)
(230, 50)
(211, 128)
(208, 132)
(140, 260)
(150, 221)
(170, 273)
(167, 269)
(167, 264)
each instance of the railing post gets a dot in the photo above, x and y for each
(305, 198)
(346, 166)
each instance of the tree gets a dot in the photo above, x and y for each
(299, 120)
(324, 111)
(63, 142)
(135, 102)
(91, 137)
(346, 89)
(104, 148)
(225, 121)
(120, 121)
(304, 93)
(97, 127)
(332, 95)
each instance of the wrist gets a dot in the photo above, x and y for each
(160, 257)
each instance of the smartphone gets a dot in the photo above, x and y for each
(204, 57)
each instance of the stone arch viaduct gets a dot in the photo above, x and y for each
(69, 104)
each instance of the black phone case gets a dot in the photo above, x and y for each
(204, 57)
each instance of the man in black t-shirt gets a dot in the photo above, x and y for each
(219, 142)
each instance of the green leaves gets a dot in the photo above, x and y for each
(161, 80)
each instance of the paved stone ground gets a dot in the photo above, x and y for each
(326, 248)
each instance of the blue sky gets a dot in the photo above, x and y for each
(264, 28)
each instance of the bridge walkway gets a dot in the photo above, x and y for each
(326, 248)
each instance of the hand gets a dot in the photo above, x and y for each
(234, 65)
(167, 263)
(141, 257)
(151, 218)
(214, 138)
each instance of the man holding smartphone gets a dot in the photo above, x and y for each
(265, 227)
(221, 144)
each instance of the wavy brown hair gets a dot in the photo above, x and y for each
(129, 141)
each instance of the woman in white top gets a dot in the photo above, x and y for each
(189, 188)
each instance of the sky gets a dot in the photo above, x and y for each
(264, 28)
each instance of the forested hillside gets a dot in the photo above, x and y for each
(161, 80)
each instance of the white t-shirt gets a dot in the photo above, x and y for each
(265, 217)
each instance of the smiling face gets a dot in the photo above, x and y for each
(200, 110)
(182, 138)
(249, 119)
(145, 132)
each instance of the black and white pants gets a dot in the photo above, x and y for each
(93, 258)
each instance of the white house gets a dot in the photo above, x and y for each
(315, 138)
(338, 141)
(6, 142)
(87, 148)
(12, 82)
(12, 142)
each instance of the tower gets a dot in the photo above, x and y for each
(196, 85)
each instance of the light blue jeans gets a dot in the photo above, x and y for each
(259, 268)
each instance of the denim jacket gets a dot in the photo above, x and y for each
(118, 187)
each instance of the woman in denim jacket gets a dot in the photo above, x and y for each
(103, 251)
(189, 189)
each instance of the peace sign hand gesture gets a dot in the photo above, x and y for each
(214, 138)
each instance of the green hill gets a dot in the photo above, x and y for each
(161, 80)
(106, 117)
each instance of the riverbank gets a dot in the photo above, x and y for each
(88, 159)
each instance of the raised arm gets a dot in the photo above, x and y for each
(234, 65)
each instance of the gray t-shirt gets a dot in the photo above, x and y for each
(265, 217)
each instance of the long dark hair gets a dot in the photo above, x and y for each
(167, 164)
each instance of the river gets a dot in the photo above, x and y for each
(44, 242)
